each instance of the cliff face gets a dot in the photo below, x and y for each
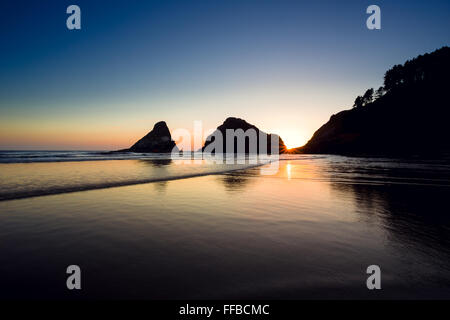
(415, 124)
(235, 124)
(157, 140)
(411, 118)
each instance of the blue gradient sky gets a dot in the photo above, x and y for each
(284, 66)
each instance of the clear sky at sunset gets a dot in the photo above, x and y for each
(285, 66)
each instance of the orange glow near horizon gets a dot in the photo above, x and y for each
(96, 138)
(281, 108)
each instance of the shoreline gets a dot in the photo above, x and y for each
(117, 184)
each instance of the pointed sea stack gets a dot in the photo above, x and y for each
(235, 124)
(158, 140)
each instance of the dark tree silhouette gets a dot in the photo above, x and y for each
(361, 101)
(393, 77)
(424, 70)
(368, 96)
(379, 93)
(358, 102)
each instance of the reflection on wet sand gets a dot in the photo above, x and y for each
(157, 163)
(234, 182)
(159, 186)
(410, 214)
(309, 231)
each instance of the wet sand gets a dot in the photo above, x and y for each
(310, 231)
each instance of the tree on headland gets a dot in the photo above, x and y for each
(424, 70)
(358, 102)
(379, 93)
(368, 96)
(393, 78)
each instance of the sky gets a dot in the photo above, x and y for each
(283, 65)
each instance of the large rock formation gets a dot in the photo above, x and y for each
(157, 140)
(236, 124)
(409, 115)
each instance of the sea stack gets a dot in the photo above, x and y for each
(158, 140)
(237, 123)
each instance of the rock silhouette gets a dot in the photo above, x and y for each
(237, 123)
(408, 116)
(157, 140)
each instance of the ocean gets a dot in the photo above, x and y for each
(151, 227)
